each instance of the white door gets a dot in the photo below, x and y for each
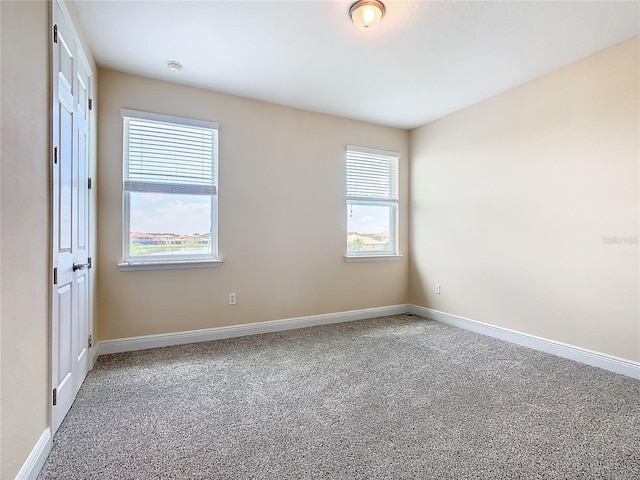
(70, 300)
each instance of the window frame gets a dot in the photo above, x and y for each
(147, 262)
(391, 201)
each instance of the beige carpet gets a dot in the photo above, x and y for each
(394, 397)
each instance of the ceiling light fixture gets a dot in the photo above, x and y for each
(174, 66)
(366, 14)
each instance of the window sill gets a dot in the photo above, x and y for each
(370, 258)
(126, 266)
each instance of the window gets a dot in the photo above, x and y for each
(170, 189)
(372, 202)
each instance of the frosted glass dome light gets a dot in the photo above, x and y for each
(366, 14)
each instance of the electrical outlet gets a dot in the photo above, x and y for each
(438, 288)
(232, 299)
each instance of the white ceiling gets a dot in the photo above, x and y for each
(425, 59)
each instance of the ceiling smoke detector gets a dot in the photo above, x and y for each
(174, 66)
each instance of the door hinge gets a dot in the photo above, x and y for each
(89, 262)
(55, 34)
(91, 104)
(55, 276)
(55, 397)
(89, 183)
(55, 154)
(90, 341)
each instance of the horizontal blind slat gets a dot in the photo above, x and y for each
(179, 188)
(371, 200)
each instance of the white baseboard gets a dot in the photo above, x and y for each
(206, 335)
(572, 352)
(579, 354)
(94, 352)
(35, 461)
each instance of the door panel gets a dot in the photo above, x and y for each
(65, 154)
(82, 192)
(64, 337)
(65, 69)
(82, 335)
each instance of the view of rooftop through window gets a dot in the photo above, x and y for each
(368, 228)
(170, 224)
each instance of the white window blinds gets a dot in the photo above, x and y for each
(372, 175)
(165, 154)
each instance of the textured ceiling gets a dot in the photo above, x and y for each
(425, 59)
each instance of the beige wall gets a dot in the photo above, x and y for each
(282, 217)
(25, 230)
(511, 199)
